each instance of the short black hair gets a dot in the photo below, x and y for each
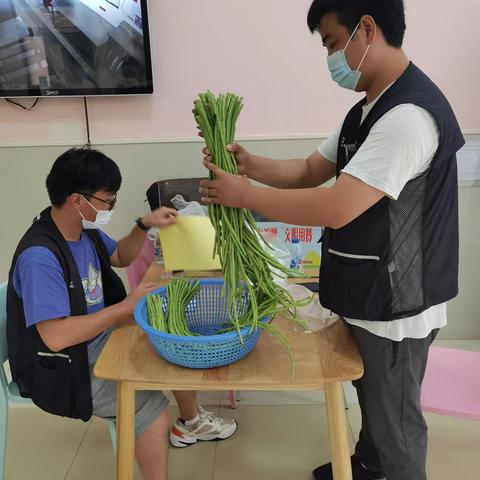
(82, 170)
(389, 15)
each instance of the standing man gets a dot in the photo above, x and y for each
(64, 299)
(390, 250)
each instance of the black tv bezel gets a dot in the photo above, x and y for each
(98, 92)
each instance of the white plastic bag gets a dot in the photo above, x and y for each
(314, 315)
(277, 250)
(185, 209)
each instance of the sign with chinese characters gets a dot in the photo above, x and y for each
(309, 238)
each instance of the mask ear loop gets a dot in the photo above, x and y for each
(364, 56)
(81, 214)
(351, 36)
(89, 203)
(366, 51)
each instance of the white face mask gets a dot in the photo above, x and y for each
(102, 218)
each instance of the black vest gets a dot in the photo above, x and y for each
(400, 257)
(58, 383)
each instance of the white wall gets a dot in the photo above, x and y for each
(262, 50)
(23, 195)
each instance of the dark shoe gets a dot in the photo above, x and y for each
(359, 472)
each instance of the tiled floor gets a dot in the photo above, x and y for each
(281, 436)
(277, 442)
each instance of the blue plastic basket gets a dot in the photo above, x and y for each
(206, 314)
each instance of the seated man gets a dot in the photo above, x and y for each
(64, 299)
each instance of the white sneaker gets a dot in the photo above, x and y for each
(208, 427)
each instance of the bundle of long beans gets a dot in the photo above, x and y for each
(180, 293)
(245, 263)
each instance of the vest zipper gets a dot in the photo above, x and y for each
(351, 255)
(61, 355)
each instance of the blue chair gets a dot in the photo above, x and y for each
(9, 390)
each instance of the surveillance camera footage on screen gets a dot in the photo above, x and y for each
(74, 47)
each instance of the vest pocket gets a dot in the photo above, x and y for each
(354, 285)
(52, 383)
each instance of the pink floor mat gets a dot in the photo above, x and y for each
(452, 383)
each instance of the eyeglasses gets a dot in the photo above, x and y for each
(111, 203)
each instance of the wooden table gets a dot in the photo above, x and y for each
(323, 361)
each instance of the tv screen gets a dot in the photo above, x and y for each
(74, 47)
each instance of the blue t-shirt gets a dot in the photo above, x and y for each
(39, 282)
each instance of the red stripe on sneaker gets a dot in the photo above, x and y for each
(177, 432)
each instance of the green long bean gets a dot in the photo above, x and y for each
(179, 293)
(245, 263)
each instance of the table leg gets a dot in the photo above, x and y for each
(337, 426)
(125, 430)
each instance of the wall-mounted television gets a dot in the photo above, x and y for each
(74, 48)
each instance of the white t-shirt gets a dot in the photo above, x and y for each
(399, 147)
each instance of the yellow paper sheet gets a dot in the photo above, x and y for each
(188, 245)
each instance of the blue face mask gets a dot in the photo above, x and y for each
(341, 71)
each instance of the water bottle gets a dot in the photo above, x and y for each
(280, 253)
(295, 250)
(157, 251)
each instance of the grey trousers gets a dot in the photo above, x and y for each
(393, 438)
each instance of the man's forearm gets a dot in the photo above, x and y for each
(310, 206)
(61, 333)
(130, 246)
(280, 173)
(333, 207)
